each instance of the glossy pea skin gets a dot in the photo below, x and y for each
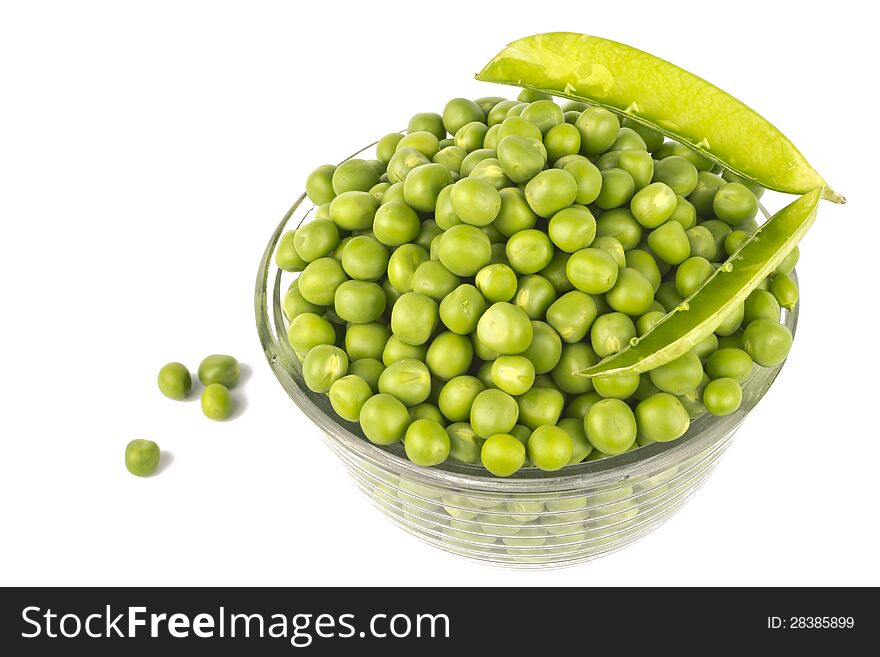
(580, 446)
(174, 381)
(359, 302)
(540, 406)
(502, 454)
(653, 139)
(611, 426)
(571, 315)
(704, 192)
(464, 250)
(767, 342)
(513, 374)
(354, 175)
(323, 365)
(457, 397)
(458, 112)
(619, 386)
(449, 355)
(464, 444)
(471, 136)
(691, 274)
(354, 210)
(497, 282)
(560, 140)
(522, 158)
(679, 376)
(426, 443)
(316, 239)
(760, 304)
(451, 157)
(423, 185)
(444, 213)
(403, 263)
(308, 330)
(369, 369)
(505, 328)
(414, 318)
(550, 191)
(632, 293)
(628, 139)
(785, 290)
(475, 201)
(684, 213)
(534, 294)
(384, 419)
(545, 348)
(734, 203)
(550, 448)
(598, 128)
(366, 340)
(622, 225)
(653, 205)
(592, 270)
(670, 243)
(702, 243)
(386, 147)
(519, 127)
(529, 251)
(395, 223)
(428, 122)
(286, 256)
(588, 180)
(678, 173)
(493, 411)
(647, 321)
(566, 374)
(729, 363)
(462, 309)
(579, 406)
(611, 333)
(364, 258)
(319, 184)
(788, 263)
(422, 141)
(404, 161)
(217, 402)
(645, 263)
(219, 368)
(617, 189)
(732, 321)
(661, 418)
(348, 395)
(499, 112)
(722, 396)
(572, 229)
(514, 213)
(544, 113)
(142, 457)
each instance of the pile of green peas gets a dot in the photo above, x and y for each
(453, 289)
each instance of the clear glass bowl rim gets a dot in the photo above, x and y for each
(644, 461)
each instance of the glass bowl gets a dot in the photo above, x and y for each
(534, 519)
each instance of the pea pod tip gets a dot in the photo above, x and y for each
(830, 195)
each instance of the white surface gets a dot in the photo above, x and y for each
(149, 150)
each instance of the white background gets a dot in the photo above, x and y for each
(150, 148)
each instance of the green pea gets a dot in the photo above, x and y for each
(379, 190)
(141, 457)
(661, 418)
(545, 347)
(383, 419)
(348, 395)
(471, 135)
(700, 161)
(734, 203)
(654, 204)
(428, 122)
(464, 249)
(499, 112)
(572, 228)
(637, 163)
(720, 232)
(393, 194)
(427, 233)
(679, 376)
(519, 127)
(617, 189)
(308, 330)
(464, 444)
(562, 139)
(691, 274)
(760, 304)
(414, 317)
(785, 290)
(767, 342)
(702, 243)
(653, 139)
(620, 386)
(359, 302)
(493, 411)
(365, 258)
(598, 128)
(575, 358)
(484, 372)
(403, 162)
(722, 396)
(316, 239)
(555, 272)
(788, 263)
(175, 381)
(459, 112)
(611, 426)
(451, 157)
(521, 157)
(354, 175)
(457, 397)
(732, 321)
(550, 448)
(632, 293)
(475, 201)
(611, 333)
(730, 176)
(706, 347)
(540, 406)
(497, 282)
(286, 256)
(729, 363)
(677, 172)
(426, 443)
(703, 195)
(622, 225)
(513, 374)
(627, 138)
(550, 191)
(407, 380)
(323, 365)
(684, 213)
(490, 139)
(581, 405)
(354, 210)
(319, 184)
(502, 455)
(403, 263)
(592, 270)
(423, 185)
(449, 355)
(571, 315)
(505, 328)
(366, 340)
(469, 163)
(461, 309)
(395, 223)
(732, 341)
(434, 280)
(514, 214)
(587, 177)
(544, 113)
(219, 368)
(534, 294)
(670, 243)
(580, 446)
(647, 321)
(369, 369)
(426, 411)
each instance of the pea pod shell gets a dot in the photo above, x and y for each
(662, 96)
(701, 313)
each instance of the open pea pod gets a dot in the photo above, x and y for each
(702, 312)
(661, 96)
